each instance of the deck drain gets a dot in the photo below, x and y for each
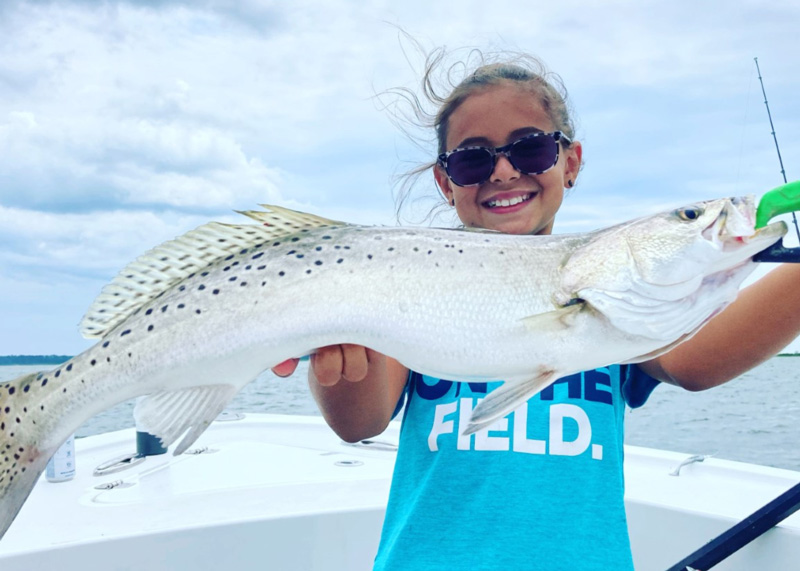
(348, 463)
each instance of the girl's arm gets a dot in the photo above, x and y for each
(764, 319)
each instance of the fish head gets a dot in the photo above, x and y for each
(699, 239)
(643, 274)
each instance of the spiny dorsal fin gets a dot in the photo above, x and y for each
(159, 269)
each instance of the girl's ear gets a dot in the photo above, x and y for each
(444, 183)
(573, 157)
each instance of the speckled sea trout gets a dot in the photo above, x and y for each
(191, 322)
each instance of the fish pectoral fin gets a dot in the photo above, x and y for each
(506, 398)
(556, 320)
(168, 414)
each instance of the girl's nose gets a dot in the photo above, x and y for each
(503, 171)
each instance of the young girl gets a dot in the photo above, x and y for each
(542, 488)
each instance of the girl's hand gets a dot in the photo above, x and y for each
(332, 364)
(286, 368)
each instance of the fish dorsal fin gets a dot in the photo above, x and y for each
(157, 270)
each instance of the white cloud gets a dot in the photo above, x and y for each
(123, 124)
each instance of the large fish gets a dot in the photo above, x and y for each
(194, 320)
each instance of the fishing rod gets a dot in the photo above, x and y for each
(781, 200)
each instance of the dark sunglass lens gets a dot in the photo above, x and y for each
(470, 166)
(534, 154)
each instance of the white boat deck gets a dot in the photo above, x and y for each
(284, 493)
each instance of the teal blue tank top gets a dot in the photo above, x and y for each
(541, 489)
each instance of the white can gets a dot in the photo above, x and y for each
(61, 466)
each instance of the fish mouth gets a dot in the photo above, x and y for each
(733, 230)
(509, 200)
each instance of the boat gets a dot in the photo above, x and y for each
(283, 492)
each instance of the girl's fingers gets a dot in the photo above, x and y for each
(286, 368)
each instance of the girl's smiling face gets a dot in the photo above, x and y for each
(509, 201)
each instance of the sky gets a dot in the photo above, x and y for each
(124, 124)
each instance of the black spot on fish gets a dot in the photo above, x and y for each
(181, 306)
(26, 388)
(430, 252)
(149, 327)
(247, 267)
(58, 374)
(232, 279)
(263, 284)
(149, 311)
(204, 274)
(276, 244)
(319, 262)
(369, 256)
(229, 258)
(281, 273)
(163, 309)
(124, 332)
(215, 292)
(295, 239)
(69, 367)
(201, 287)
(226, 268)
(243, 284)
(326, 237)
(257, 256)
(235, 264)
(108, 359)
(197, 311)
(318, 248)
(391, 249)
(261, 267)
(337, 247)
(182, 288)
(290, 252)
(308, 271)
(93, 362)
(11, 391)
(104, 346)
(340, 260)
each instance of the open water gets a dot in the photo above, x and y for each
(755, 418)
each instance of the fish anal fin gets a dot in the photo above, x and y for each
(506, 398)
(169, 414)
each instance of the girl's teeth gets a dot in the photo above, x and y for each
(511, 202)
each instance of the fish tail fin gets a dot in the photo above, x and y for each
(506, 398)
(23, 452)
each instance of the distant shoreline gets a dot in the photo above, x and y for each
(33, 359)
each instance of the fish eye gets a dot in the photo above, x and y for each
(689, 213)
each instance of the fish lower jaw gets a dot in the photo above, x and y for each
(505, 203)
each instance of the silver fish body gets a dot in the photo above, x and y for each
(192, 323)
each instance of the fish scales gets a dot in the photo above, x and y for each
(459, 305)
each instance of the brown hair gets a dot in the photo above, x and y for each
(445, 86)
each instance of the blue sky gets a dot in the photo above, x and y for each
(124, 124)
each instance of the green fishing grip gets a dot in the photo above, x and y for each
(778, 201)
